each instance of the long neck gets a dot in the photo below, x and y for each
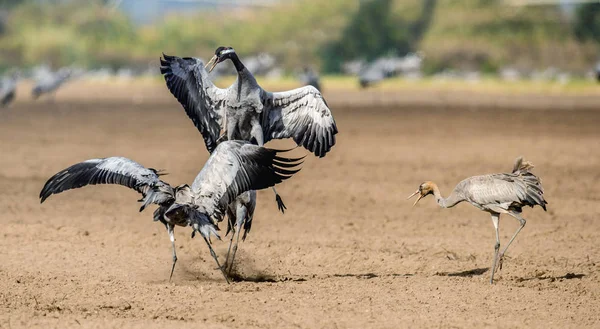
(239, 66)
(448, 202)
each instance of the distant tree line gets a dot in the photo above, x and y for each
(374, 32)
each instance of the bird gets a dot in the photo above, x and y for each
(504, 193)
(253, 113)
(375, 72)
(8, 88)
(48, 84)
(245, 111)
(233, 168)
(310, 78)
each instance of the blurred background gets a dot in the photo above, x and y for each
(420, 90)
(553, 40)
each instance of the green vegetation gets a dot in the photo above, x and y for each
(461, 34)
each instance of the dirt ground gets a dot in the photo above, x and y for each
(350, 251)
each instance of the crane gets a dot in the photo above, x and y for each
(505, 193)
(233, 168)
(51, 82)
(245, 111)
(310, 78)
(8, 88)
(300, 113)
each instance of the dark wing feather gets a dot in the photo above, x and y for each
(236, 167)
(114, 170)
(301, 114)
(203, 102)
(510, 190)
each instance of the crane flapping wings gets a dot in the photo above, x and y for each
(113, 170)
(301, 114)
(203, 102)
(236, 167)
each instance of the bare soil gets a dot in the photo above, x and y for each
(350, 251)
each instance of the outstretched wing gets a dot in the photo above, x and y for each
(114, 170)
(236, 167)
(203, 102)
(301, 114)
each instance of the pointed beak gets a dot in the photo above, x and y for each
(419, 198)
(212, 63)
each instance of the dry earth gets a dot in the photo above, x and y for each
(350, 252)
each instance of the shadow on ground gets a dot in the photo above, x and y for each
(465, 274)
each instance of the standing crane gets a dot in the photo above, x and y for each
(8, 88)
(233, 168)
(50, 83)
(497, 194)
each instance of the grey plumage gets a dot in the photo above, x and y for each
(232, 169)
(244, 110)
(310, 78)
(113, 170)
(51, 82)
(8, 89)
(504, 193)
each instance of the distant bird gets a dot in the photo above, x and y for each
(376, 71)
(50, 83)
(496, 194)
(8, 88)
(310, 78)
(233, 168)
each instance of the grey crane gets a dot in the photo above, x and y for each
(8, 88)
(245, 111)
(253, 113)
(49, 83)
(233, 168)
(505, 193)
(310, 78)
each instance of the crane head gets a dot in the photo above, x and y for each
(221, 54)
(424, 190)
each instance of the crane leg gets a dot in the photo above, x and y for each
(241, 214)
(212, 253)
(230, 241)
(170, 229)
(523, 222)
(496, 221)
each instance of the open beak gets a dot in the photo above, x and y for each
(419, 198)
(212, 63)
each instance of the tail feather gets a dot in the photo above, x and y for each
(533, 184)
(522, 165)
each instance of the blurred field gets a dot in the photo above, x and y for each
(350, 252)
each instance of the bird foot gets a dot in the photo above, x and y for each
(500, 261)
(280, 205)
